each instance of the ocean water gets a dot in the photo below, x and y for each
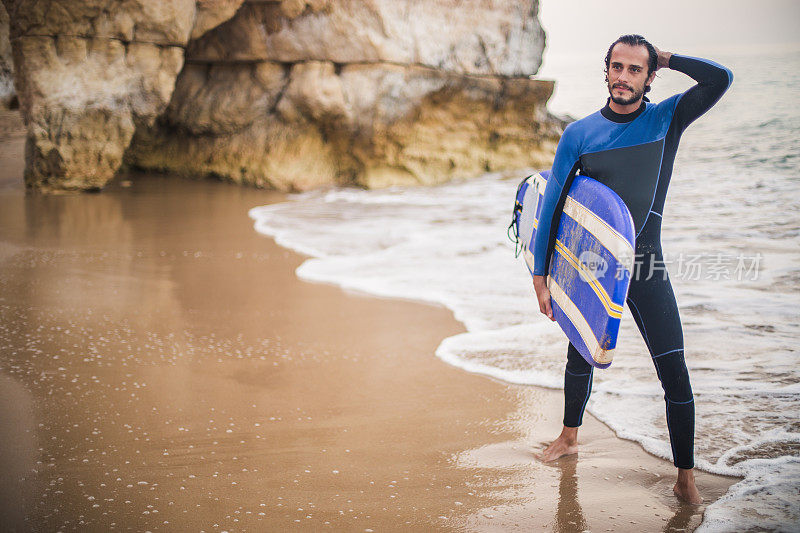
(731, 234)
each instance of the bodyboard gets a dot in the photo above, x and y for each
(591, 266)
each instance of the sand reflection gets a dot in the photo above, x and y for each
(569, 514)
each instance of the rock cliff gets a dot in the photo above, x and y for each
(289, 94)
(87, 73)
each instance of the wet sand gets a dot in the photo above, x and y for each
(162, 368)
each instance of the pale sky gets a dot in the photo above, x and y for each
(677, 25)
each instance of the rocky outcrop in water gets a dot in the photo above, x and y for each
(287, 94)
(88, 73)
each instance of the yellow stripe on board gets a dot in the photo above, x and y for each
(613, 309)
(581, 325)
(610, 238)
(588, 274)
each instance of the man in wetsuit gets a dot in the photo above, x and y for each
(630, 146)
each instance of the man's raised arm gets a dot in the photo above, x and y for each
(712, 81)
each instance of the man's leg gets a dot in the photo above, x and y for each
(577, 388)
(652, 304)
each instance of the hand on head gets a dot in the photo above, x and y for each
(663, 58)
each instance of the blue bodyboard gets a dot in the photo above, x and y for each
(593, 256)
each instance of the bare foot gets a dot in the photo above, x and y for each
(565, 444)
(685, 489)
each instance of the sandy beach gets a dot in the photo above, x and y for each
(162, 368)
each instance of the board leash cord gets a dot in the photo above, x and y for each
(513, 228)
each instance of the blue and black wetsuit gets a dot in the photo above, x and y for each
(633, 154)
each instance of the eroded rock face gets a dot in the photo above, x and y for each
(211, 13)
(290, 94)
(294, 95)
(88, 73)
(466, 36)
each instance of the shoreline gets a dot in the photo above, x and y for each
(200, 382)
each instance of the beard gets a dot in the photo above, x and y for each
(625, 100)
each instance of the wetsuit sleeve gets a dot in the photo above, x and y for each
(565, 165)
(712, 81)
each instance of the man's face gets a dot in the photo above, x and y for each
(627, 73)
